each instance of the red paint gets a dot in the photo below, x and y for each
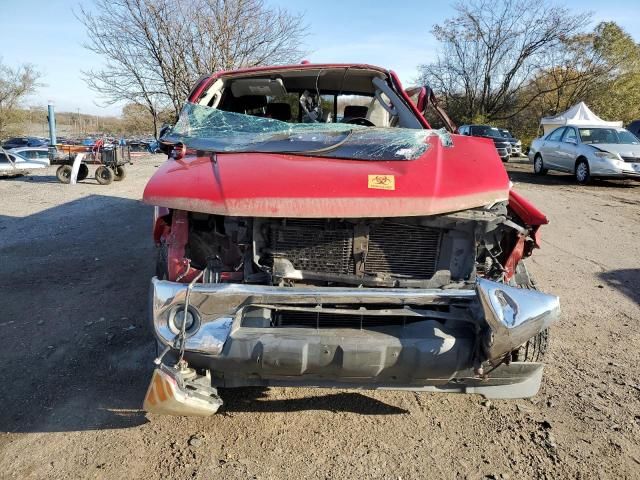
(514, 257)
(160, 230)
(444, 179)
(421, 101)
(525, 210)
(402, 94)
(160, 226)
(178, 265)
(202, 84)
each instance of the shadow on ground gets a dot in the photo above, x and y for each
(523, 173)
(74, 282)
(49, 178)
(77, 353)
(251, 399)
(626, 281)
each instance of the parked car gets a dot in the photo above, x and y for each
(587, 152)
(503, 145)
(16, 142)
(12, 164)
(516, 145)
(34, 154)
(154, 146)
(374, 253)
(634, 127)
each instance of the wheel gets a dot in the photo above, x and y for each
(104, 175)
(536, 347)
(505, 159)
(534, 350)
(538, 166)
(582, 173)
(120, 173)
(63, 173)
(83, 172)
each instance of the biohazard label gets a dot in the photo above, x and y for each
(382, 182)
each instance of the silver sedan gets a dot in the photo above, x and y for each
(587, 152)
(33, 154)
(13, 164)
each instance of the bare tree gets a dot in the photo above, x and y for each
(493, 50)
(15, 85)
(155, 50)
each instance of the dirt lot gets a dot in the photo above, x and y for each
(75, 262)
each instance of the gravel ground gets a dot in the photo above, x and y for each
(75, 262)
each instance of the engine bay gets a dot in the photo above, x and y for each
(440, 251)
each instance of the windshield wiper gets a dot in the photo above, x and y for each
(324, 149)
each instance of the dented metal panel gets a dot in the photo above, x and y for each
(427, 349)
(443, 179)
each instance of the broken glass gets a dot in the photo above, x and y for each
(210, 129)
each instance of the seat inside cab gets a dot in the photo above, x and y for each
(324, 95)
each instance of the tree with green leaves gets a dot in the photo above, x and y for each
(600, 68)
(492, 51)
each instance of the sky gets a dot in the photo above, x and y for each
(392, 34)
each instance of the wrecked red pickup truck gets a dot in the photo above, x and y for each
(313, 229)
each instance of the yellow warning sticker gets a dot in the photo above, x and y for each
(382, 182)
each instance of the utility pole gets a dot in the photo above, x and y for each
(52, 124)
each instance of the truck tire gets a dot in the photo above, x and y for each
(119, 173)
(63, 173)
(104, 175)
(534, 350)
(536, 347)
(83, 172)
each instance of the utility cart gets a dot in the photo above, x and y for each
(111, 161)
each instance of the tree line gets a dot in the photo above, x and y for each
(504, 62)
(155, 50)
(511, 62)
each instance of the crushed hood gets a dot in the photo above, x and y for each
(443, 179)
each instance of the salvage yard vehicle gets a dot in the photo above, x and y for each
(587, 152)
(13, 164)
(372, 252)
(502, 144)
(634, 127)
(17, 142)
(34, 154)
(111, 160)
(516, 145)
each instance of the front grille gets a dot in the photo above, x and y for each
(343, 320)
(403, 250)
(631, 159)
(394, 249)
(314, 246)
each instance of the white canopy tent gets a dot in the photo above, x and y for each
(579, 114)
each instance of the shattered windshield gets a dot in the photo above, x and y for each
(206, 128)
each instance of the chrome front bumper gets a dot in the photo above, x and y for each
(497, 319)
